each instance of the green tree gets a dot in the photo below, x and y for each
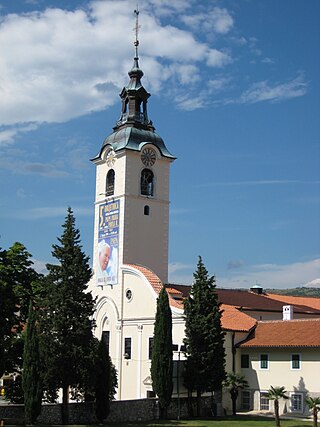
(161, 362)
(17, 277)
(8, 309)
(31, 375)
(275, 394)
(234, 383)
(103, 381)
(66, 320)
(314, 406)
(204, 338)
(23, 277)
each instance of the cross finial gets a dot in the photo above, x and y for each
(136, 29)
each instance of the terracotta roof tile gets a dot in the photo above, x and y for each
(285, 333)
(251, 301)
(312, 302)
(234, 320)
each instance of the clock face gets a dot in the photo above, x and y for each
(148, 156)
(111, 158)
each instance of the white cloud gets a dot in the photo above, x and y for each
(58, 64)
(23, 167)
(9, 134)
(39, 266)
(263, 91)
(189, 103)
(235, 264)
(216, 20)
(218, 84)
(273, 275)
(180, 273)
(313, 283)
(51, 212)
(217, 58)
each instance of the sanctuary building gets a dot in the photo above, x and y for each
(270, 339)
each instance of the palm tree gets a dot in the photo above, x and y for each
(234, 383)
(314, 406)
(277, 393)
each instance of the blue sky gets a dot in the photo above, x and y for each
(235, 95)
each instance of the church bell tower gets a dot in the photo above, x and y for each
(132, 190)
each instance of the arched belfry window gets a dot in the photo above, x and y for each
(110, 183)
(147, 182)
(146, 210)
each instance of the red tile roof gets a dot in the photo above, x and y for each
(250, 301)
(234, 320)
(312, 302)
(285, 333)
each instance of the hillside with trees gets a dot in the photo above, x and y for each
(303, 291)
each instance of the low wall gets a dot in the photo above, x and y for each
(120, 411)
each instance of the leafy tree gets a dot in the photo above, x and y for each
(8, 309)
(16, 287)
(314, 406)
(204, 338)
(66, 320)
(31, 375)
(234, 383)
(161, 363)
(275, 394)
(23, 277)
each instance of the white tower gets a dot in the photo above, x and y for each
(132, 191)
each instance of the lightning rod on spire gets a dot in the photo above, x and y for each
(136, 29)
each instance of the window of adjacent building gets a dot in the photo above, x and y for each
(110, 183)
(264, 401)
(246, 400)
(146, 185)
(150, 347)
(245, 361)
(264, 361)
(295, 361)
(146, 210)
(127, 348)
(296, 402)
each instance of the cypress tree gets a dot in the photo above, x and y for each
(67, 317)
(31, 376)
(161, 363)
(204, 338)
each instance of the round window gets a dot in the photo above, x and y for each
(129, 294)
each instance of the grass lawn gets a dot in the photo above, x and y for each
(239, 420)
(244, 421)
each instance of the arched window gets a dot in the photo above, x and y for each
(147, 182)
(146, 210)
(110, 183)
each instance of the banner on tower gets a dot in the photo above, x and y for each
(108, 243)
